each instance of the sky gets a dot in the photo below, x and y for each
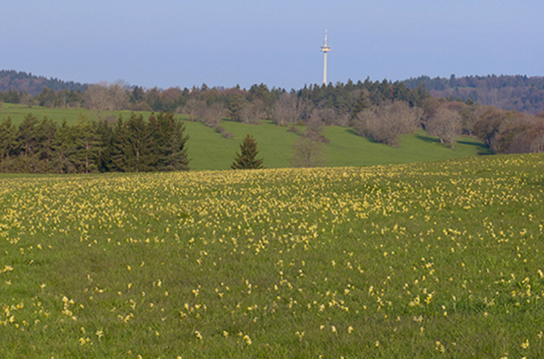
(179, 43)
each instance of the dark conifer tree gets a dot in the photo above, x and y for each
(104, 134)
(8, 144)
(117, 137)
(86, 145)
(247, 158)
(46, 133)
(361, 103)
(65, 148)
(27, 160)
(158, 133)
(132, 145)
(26, 135)
(235, 105)
(177, 159)
(169, 152)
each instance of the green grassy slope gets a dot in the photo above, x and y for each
(71, 115)
(209, 150)
(348, 149)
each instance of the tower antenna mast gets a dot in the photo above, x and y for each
(325, 48)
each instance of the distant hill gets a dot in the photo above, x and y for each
(26, 82)
(521, 93)
(509, 92)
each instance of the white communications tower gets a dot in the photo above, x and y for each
(325, 49)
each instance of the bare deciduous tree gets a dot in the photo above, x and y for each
(96, 97)
(119, 97)
(284, 111)
(308, 149)
(314, 126)
(190, 108)
(260, 110)
(385, 123)
(446, 124)
(537, 145)
(524, 135)
(103, 97)
(331, 117)
(252, 112)
(212, 115)
(308, 152)
(288, 109)
(26, 99)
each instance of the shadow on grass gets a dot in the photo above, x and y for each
(351, 131)
(427, 138)
(483, 150)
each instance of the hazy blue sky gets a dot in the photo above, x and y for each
(181, 43)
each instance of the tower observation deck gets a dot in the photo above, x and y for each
(326, 49)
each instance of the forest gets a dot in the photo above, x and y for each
(22, 82)
(513, 93)
(135, 145)
(380, 111)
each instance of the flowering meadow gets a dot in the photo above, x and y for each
(427, 260)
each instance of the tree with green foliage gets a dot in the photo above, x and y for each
(235, 105)
(26, 135)
(247, 158)
(46, 132)
(168, 143)
(64, 148)
(27, 160)
(361, 103)
(132, 145)
(87, 145)
(138, 145)
(137, 94)
(176, 158)
(8, 142)
(104, 134)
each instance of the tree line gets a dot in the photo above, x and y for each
(380, 111)
(208, 104)
(133, 145)
(519, 93)
(158, 143)
(501, 130)
(22, 82)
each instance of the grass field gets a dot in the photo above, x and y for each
(71, 115)
(439, 259)
(209, 150)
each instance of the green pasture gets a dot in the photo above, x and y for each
(71, 115)
(209, 150)
(429, 260)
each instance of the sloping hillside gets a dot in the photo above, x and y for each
(210, 150)
(26, 82)
(521, 93)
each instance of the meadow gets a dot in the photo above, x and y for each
(439, 259)
(209, 150)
